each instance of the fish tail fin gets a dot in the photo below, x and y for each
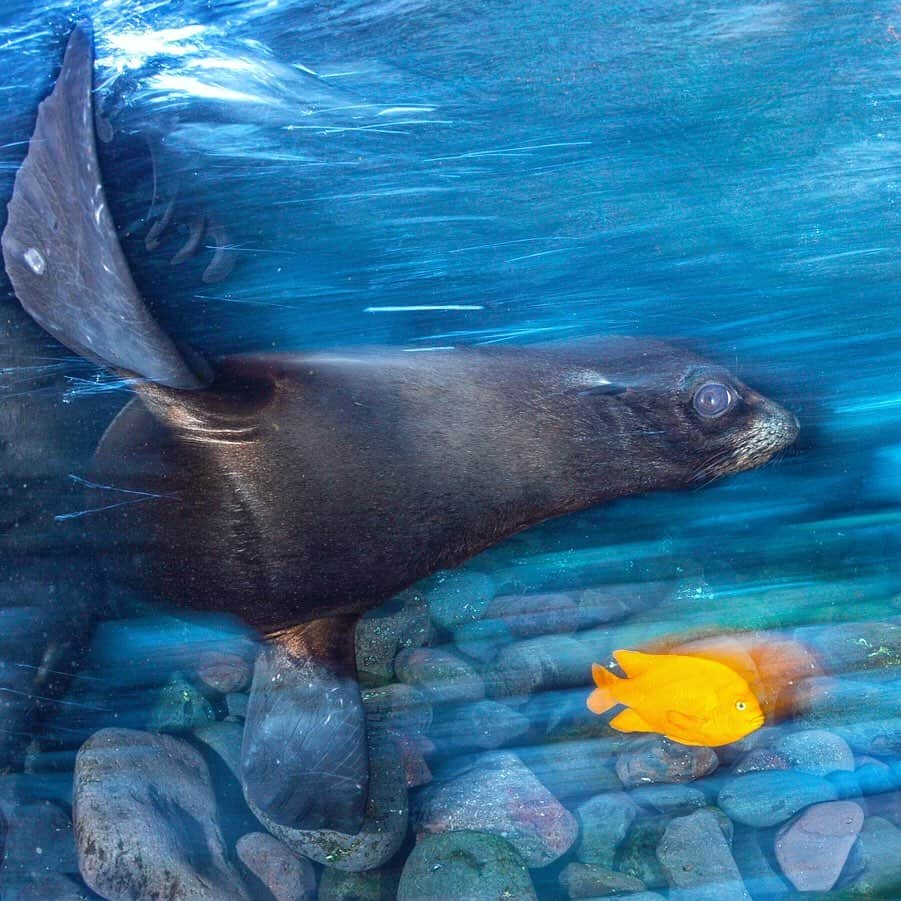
(604, 696)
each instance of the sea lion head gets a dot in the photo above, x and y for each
(678, 419)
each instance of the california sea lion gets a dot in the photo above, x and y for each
(296, 491)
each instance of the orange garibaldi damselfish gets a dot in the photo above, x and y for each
(691, 700)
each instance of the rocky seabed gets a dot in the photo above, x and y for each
(490, 779)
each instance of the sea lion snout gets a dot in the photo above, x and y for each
(778, 426)
(765, 428)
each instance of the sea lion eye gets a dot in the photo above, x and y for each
(740, 705)
(712, 399)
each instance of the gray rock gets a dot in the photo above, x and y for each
(272, 871)
(373, 885)
(465, 864)
(180, 707)
(697, 860)
(236, 704)
(224, 740)
(492, 725)
(604, 821)
(759, 740)
(583, 880)
(571, 769)
(220, 745)
(877, 736)
(483, 639)
(43, 887)
(442, 677)
(829, 703)
(383, 829)
(767, 799)
(227, 667)
(458, 596)
(398, 708)
(39, 840)
(403, 622)
(540, 664)
(812, 848)
(484, 725)
(760, 877)
(599, 606)
(637, 855)
(29, 788)
(759, 760)
(886, 805)
(562, 715)
(662, 760)
(848, 647)
(640, 896)
(145, 820)
(666, 798)
(531, 615)
(816, 751)
(879, 849)
(498, 794)
(412, 752)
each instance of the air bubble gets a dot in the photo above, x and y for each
(35, 260)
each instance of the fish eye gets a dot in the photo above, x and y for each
(712, 399)
(740, 705)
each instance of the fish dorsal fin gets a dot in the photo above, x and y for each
(634, 663)
(60, 246)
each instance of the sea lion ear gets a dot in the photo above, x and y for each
(60, 245)
(607, 388)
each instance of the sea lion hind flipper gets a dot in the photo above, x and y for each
(60, 246)
(304, 759)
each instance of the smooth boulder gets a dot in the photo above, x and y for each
(145, 820)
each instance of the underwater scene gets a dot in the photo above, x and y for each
(450, 450)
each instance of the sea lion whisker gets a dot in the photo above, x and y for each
(63, 517)
(89, 484)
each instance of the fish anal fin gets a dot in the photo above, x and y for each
(629, 721)
(634, 663)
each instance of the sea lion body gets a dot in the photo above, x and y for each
(299, 484)
(296, 491)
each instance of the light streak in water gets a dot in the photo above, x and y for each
(425, 308)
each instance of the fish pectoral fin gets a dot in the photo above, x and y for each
(634, 663)
(629, 721)
(683, 720)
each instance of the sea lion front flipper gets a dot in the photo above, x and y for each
(60, 246)
(304, 759)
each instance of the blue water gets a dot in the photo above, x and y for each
(446, 174)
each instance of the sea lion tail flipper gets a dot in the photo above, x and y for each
(304, 760)
(60, 246)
